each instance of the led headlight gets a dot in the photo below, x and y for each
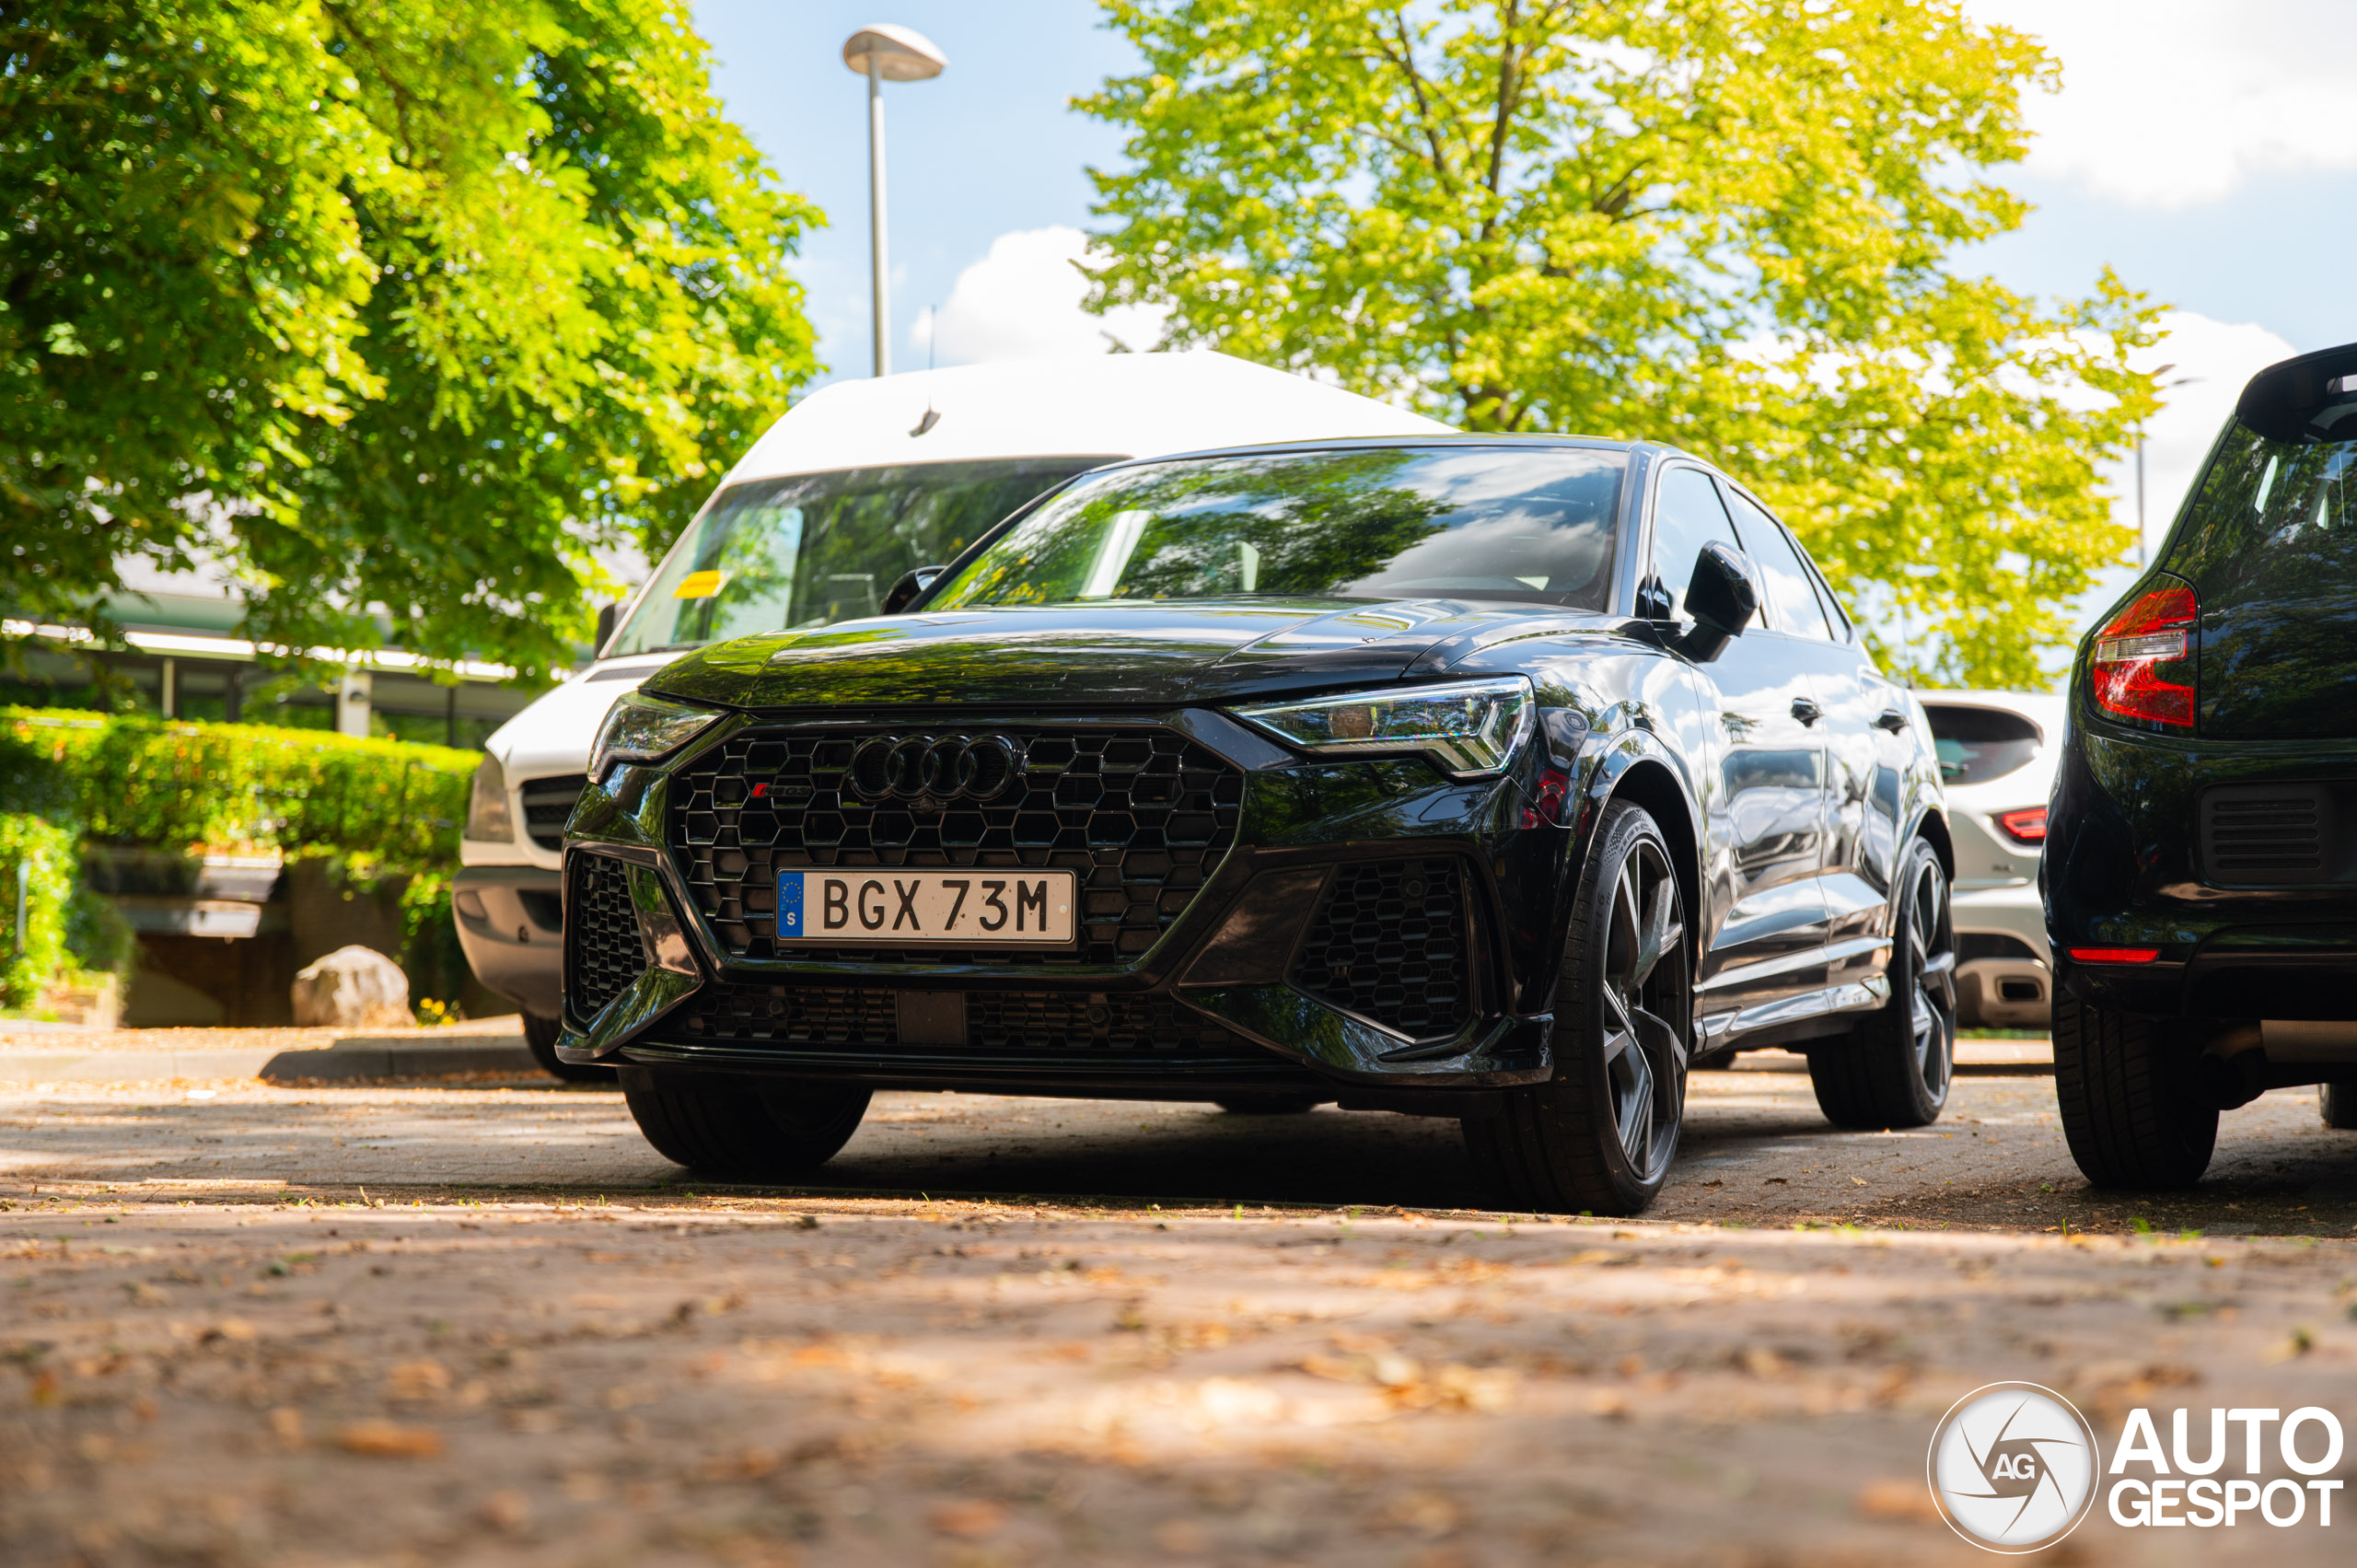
(1467, 728)
(641, 728)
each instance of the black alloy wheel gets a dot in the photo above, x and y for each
(540, 1039)
(1601, 1134)
(744, 1130)
(1894, 1067)
(2134, 1108)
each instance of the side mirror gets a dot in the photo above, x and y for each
(1721, 598)
(903, 593)
(606, 615)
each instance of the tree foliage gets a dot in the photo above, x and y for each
(1729, 225)
(398, 311)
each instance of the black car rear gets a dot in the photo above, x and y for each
(2200, 874)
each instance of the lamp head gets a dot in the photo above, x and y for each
(901, 54)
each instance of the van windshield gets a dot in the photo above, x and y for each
(808, 550)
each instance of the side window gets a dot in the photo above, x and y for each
(1789, 589)
(1687, 515)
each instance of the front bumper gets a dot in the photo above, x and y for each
(1211, 1002)
(510, 921)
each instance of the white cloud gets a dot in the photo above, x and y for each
(2172, 103)
(1022, 301)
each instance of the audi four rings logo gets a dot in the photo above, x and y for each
(942, 767)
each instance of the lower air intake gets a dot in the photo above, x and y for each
(603, 953)
(1389, 943)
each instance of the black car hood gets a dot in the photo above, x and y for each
(1117, 652)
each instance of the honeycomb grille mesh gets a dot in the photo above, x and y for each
(1388, 944)
(602, 950)
(1142, 816)
(1001, 1026)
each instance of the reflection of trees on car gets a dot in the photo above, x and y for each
(1387, 523)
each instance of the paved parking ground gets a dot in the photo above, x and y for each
(483, 1323)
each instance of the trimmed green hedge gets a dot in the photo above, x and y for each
(384, 804)
(67, 776)
(43, 853)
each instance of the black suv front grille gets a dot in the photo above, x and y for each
(1142, 815)
(603, 953)
(547, 803)
(1063, 1028)
(1388, 944)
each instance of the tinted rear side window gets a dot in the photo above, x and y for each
(2270, 548)
(1976, 744)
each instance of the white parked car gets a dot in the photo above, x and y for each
(1997, 753)
(858, 485)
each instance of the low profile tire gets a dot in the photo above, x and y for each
(2133, 1106)
(1894, 1066)
(540, 1039)
(747, 1131)
(1600, 1136)
(2338, 1103)
(1268, 1105)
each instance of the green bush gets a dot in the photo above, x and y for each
(33, 946)
(390, 805)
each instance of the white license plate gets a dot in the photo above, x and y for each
(909, 908)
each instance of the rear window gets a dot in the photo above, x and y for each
(1976, 744)
(2269, 545)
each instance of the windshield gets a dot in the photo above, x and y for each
(1395, 522)
(813, 548)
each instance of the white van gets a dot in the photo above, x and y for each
(858, 484)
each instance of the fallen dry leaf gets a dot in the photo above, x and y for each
(415, 1380)
(1889, 1498)
(384, 1439)
(969, 1518)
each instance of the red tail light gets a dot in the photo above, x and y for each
(2135, 655)
(2114, 955)
(2026, 826)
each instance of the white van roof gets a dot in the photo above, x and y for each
(1110, 405)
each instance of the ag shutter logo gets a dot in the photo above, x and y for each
(2014, 1466)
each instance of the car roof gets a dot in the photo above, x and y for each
(1107, 406)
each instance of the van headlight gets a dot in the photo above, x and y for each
(1468, 728)
(643, 728)
(488, 818)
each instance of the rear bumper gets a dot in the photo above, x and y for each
(511, 927)
(2008, 990)
(2123, 869)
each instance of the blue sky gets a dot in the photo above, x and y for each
(2207, 151)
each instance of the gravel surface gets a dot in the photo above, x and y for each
(483, 1323)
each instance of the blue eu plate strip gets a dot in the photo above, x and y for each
(789, 903)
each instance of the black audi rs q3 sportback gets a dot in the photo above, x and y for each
(1500, 779)
(2201, 866)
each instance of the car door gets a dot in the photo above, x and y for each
(1862, 788)
(1764, 914)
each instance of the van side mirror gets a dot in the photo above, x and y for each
(903, 593)
(1723, 598)
(606, 615)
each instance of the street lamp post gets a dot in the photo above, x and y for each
(886, 54)
(2165, 387)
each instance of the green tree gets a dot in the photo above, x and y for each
(399, 310)
(1730, 224)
